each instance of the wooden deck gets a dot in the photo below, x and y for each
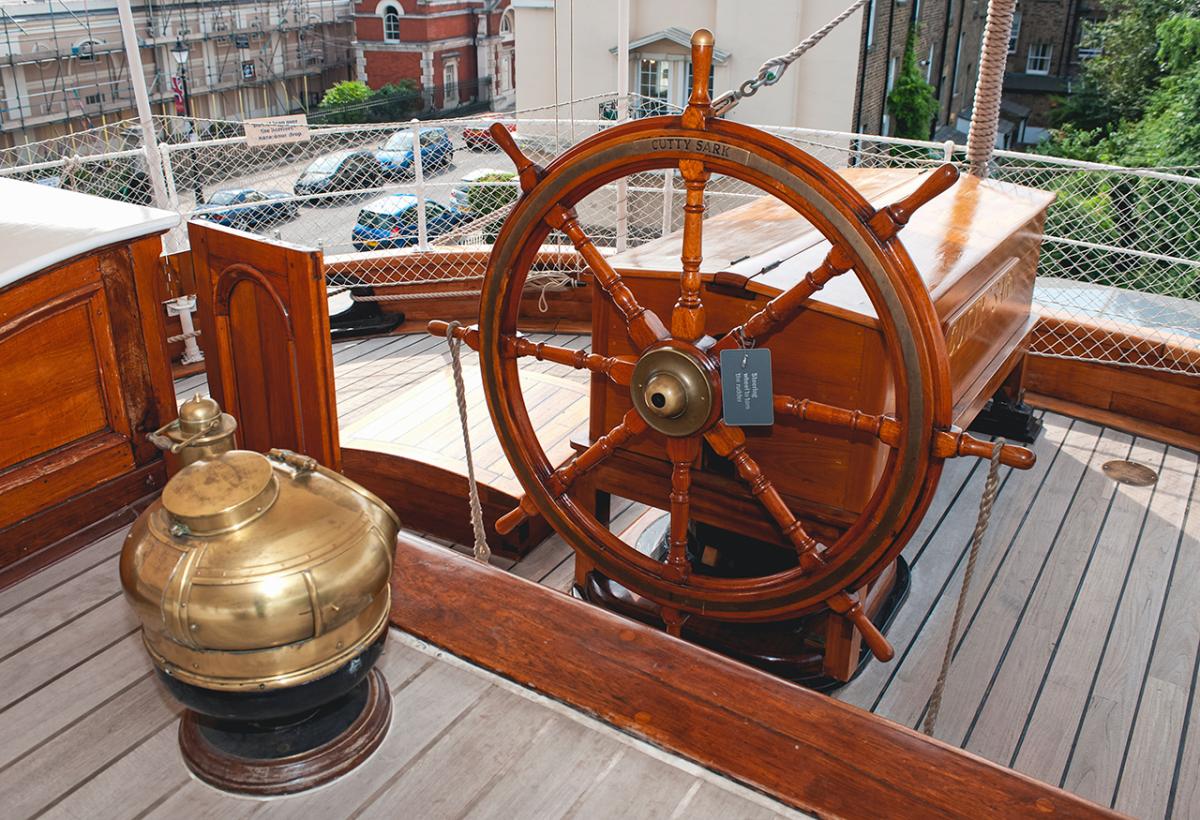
(1078, 663)
(89, 733)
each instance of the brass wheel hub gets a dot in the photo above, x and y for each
(673, 391)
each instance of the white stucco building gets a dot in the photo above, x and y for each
(817, 91)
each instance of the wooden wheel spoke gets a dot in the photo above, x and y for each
(730, 442)
(687, 319)
(619, 369)
(787, 305)
(560, 481)
(946, 443)
(888, 221)
(644, 326)
(682, 452)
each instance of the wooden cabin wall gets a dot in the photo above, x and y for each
(84, 363)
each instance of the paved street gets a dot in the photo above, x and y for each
(329, 225)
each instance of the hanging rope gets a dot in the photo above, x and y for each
(772, 70)
(482, 551)
(985, 113)
(981, 525)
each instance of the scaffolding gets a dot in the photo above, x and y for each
(63, 67)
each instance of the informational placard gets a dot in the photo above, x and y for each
(271, 130)
(747, 399)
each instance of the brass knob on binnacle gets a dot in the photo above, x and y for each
(201, 432)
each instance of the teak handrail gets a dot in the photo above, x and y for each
(800, 747)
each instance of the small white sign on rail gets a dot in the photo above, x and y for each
(272, 130)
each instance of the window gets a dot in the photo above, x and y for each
(1015, 33)
(504, 75)
(891, 75)
(870, 23)
(94, 99)
(450, 83)
(929, 65)
(916, 11)
(1086, 53)
(1038, 59)
(654, 85)
(506, 24)
(391, 24)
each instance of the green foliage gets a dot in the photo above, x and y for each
(912, 103)
(1116, 85)
(346, 102)
(396, 102)
(483, 199)
(353, 101)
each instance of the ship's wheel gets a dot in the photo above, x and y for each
(675, 381)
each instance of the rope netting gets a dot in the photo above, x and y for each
(1119, 277)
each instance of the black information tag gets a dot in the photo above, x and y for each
(746, 396)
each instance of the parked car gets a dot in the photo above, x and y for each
(488, 184)
(477, 138)
(248, 208)
(396, 156)
(348, 170)
(391, 222)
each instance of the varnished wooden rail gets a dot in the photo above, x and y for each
(799, 747)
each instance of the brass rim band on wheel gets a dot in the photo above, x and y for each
(684, 404)
(795, 178)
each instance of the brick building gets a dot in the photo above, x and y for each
(1044, 55)
(460, 52)
(949, 35)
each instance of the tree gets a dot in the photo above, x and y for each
(1116, 85)
(396, 102)
(346, 102)
(912, 102)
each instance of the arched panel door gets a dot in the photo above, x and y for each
(264, 319)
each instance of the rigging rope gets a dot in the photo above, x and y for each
(482, 551)
(981, 525)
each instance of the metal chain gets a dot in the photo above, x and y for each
(772, 70)
(482, 551)
(981, 525)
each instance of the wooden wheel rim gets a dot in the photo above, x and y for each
(906, 315)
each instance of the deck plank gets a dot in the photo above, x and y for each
(546, 781)
(62, 571)
(44, 660)
(1045, 743)
(1094, 768)
(1028, 644)
(1145, 784)
(911, 682)
(154, 771)
(637, 786)
(466, 760)
(32, 782)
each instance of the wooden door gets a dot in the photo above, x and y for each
(264, 318)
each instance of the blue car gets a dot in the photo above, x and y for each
(396, 155)
(391, 222)
(248, 208)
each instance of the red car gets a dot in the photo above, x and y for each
(478, 138)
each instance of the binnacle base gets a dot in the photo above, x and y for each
(290, 755)
(793, 649)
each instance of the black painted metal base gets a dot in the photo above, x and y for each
(288, 755)
(363, 318)
(791, 649)
(1006, 419)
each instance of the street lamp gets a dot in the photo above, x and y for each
(180, 52)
